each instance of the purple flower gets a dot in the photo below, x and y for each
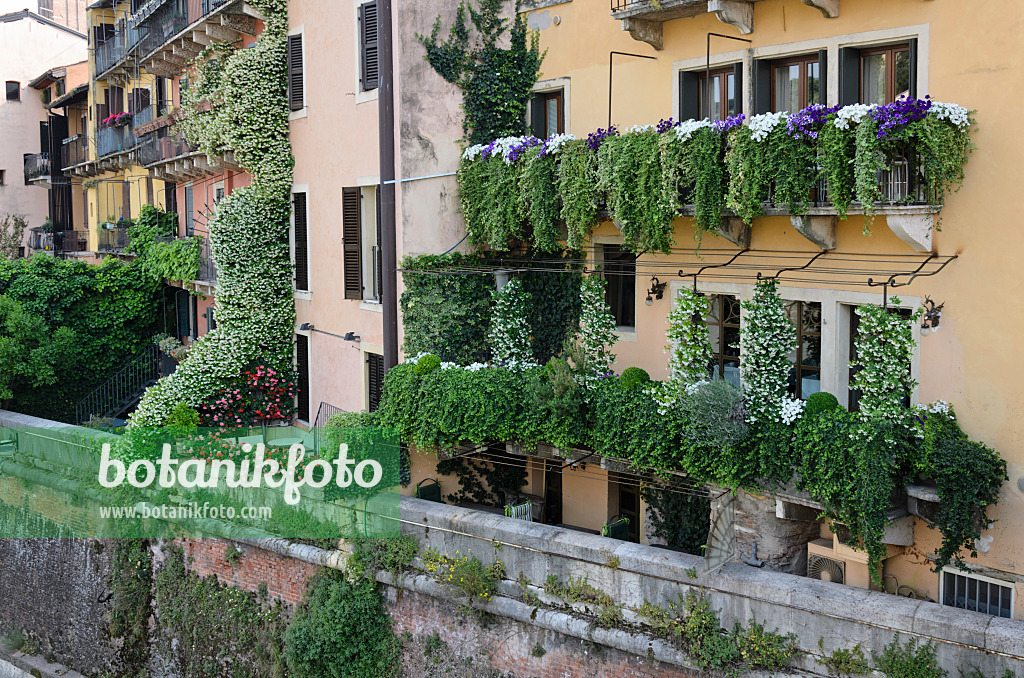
(665, 125)
(517, 150)
(807, 123)
(723, 126)
(891, 117)
(594, 139)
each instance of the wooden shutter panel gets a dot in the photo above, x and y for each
(351, 232)
(296, 92)
(823, 76)
(849, 76)
(302, 367)
(762, 86)
(538, 106)
(375, 380)
(737, 72)
(913, 68)
(378, 259)
(301, 246)
(370, 68)
(689, 95)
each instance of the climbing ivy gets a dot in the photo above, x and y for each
(496, 82)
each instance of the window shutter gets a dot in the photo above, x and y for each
(377, 258)
(375, 380)
(302, 367)
(351, 227)
(538, 105)
(181, 303)
(44, 136)
(737, 72)
(762, 86)
(913, 68)
(689, 95)
(296, 94)
(849, 76)
(301, 246)
(370, 68)
(823, 76)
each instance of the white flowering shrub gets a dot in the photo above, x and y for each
(597, 332)
(689, 347)
(954, 113)
(852, 115)
(762, 125)
(509, 335)
(684, 130)
(248, 229)
(885, 347)
(766, 339)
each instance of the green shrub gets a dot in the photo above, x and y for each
(634, 377)
(843, 662)
(465, 573)
(183, 416)
(342, 630)
(909, 661)
(389, 554)
(764, 649)
(427, 364)
(706, 641)
(819, 402)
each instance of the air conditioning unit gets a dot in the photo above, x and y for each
(829, 561)
(826, 569)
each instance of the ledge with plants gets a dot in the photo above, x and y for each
(757, 438)
(820, 160)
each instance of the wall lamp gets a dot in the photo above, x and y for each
(657, 290)
(932, 315)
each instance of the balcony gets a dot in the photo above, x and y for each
(115, 49)
(155, 149)
(207, 269)
(110, 140)
(113, 238)
(644, 19)
(176, 32)
(173, 158)
(40, 239)
(74, 151)
(71, 241)
(37, 167)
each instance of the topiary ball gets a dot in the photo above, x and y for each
(427, 364)
(634, 377)
(821, 402)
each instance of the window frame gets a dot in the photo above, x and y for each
(361, 44)
(890, 68)
(296, 248)
(16, 91)
(799, 367)
(801, 60)
(620, 297)
(718, 356)
(702, 78)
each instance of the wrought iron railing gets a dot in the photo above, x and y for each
(154, 148)
(323, 413)
(207, 269)
(37, 166)
(124, 389)
(111, 140)
(143, 116)
(115, 48)
(112, 237)
(74, 150)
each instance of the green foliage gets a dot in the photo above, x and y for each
(176, 259)
(96, 317)
(763, 649)
(577, 185)
(629, 172)
(131, 583)
(750, 173)
(31, 355)
(539, 178)
(12, 235)
(843, 662)
(793, 163)
(836, 152)
(909, 661)
(387, 554)
(509, 333)
(342, 630)
(496, 82)
(678, 515)
(427, 364)
(633, 378)
(819, 402)
(713, 415)
(706, 158)
(885, 349)
(183, 417)
(465, 573)
(13, 640)
(221, 630)
(868, 161)
(491, 201)
(482, 480)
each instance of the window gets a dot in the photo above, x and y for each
(13, 91)
(300, 241)
(296, 85)
(805, 375)
(885, 74)
(46, 8)
(723, 99)
(974, 592)
(190, 224)
(211, 321)
(374, 380)
(59, 88)
(3, 177)
(620, 290)
(369, 245)
(877, 75)
(351, 238)
(302, 367)
(796, 83)
(369, 67)
(546, 114)
(724, 332)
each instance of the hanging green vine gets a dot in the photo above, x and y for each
(496, 82)
(539, 177)
(577, 185)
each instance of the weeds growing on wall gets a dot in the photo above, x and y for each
(131, 583)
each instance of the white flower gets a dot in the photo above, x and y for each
(473, 152)
(554, 143)
(766, 339)
(792, 409)
(762, 125)
(640, 129)
(852, 114)
(509, 334)
(597, 331)
(958, 115)
(686, 128)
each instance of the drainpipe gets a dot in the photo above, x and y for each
(386, 134)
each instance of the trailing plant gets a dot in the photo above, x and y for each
(554, 311)
(596, 332)
(885, 348)
(539, 178)
(382, 554)
(678, 515)
(342, 630)
(465, 573)
(843, 662)
(748, 158)
(680, 164)
(766, 339)
(706, 158)
(490, 192)
(909, 661)
(509, 335)
(496, 82)
(577, 186)
(689, 346)
(248, 229)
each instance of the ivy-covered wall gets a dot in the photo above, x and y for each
(249, 229)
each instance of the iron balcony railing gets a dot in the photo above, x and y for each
(169, 18)
(111, 140)
(113, 237)
(124, 389)
(115, 48)
(154, 148)
(71, 241)
(37, 166)
(323, 413)
(207, 269)
(74, 150)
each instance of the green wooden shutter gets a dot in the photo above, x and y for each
(762, 86)
(370, 65)
(296, 91)
(301, 234)
(849, 76)
(351, 236)
(689, 95)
